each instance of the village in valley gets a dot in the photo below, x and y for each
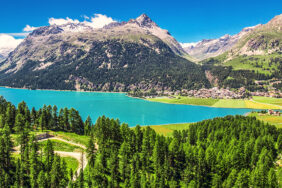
(219, 93)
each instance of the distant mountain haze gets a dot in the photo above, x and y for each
(213, 47)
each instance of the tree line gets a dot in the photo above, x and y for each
(46, 118)
(234, 151)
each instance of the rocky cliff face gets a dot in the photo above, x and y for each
(213, 47)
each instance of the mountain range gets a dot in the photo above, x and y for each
(121, 56)
(213, 47)
(139, 55)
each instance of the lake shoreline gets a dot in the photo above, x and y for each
(140, 98)
(133, 111)
(63, 90)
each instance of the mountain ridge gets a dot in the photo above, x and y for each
(122, 56)
(207, 48)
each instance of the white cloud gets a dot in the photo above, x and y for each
(29, 28)
(61, 21)
(8, 43)
(99, 21)
(192, 44)
(22, 35)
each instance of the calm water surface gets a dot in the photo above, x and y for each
(117, 105)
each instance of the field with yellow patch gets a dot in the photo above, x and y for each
(256, 103)
(274, 120)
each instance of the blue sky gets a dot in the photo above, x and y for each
(187, 21)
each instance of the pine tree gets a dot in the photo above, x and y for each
(279, 143)
(19, 123)
(55, 172)
(230, 181)
(91, 151)
(10, 115)
(114, 168)
(272, 179)
(34, 163)
(64, 174)
(49, 155)
(41, 181)
(243, 179)
(124, 159)
(87, 126)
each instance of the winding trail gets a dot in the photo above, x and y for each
(63, 140)
(79, 156)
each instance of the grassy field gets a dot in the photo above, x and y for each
(274, 120)
(80, 139)
(268, 100)
(230, 103)
(258, 103)
(62, 146)
(168, 129)
(185, 100)
(71, 163)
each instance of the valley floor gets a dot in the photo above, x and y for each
(255, 103)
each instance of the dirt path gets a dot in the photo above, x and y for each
(77, 155)
(63, 140)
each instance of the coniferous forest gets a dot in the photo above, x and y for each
(234, 151)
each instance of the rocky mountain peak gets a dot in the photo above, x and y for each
(145, 21)
(276, 22)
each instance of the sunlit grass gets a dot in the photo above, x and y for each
(269, 100)
(80, 139)
(258, 105)
(62, 146)
(230, 103)
(274, 120)
(168, 129)
(222, 103)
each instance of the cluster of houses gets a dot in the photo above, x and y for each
(274, 113)
(216, 93)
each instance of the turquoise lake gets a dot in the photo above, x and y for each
(117, 105)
